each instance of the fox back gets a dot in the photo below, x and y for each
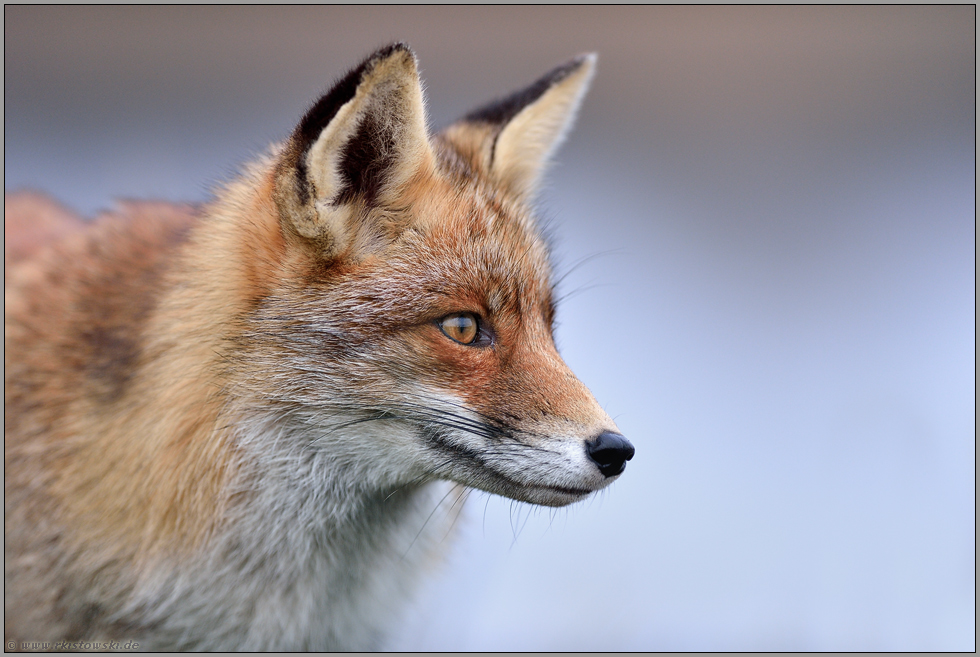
(238, 425)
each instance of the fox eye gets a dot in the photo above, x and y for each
(464, 328)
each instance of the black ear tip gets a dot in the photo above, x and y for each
(387, 51)
(559, 73)
(324, 109)
(505, 109)
(586, 59)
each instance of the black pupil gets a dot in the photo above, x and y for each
(461, 326)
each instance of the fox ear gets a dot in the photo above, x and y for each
(358, 145)
(513, 138)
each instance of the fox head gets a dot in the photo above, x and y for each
(408, 335)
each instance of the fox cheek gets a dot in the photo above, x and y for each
(460, 369)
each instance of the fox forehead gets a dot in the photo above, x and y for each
(465, 248)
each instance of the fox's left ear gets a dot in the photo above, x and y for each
(513, 139)
(356, 148)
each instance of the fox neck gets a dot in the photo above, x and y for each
(318, 477)
(355, 541)
(232, 456)
(306, 548)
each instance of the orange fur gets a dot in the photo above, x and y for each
(222, 421)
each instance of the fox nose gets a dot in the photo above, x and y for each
(610, 451)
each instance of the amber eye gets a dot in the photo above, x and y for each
(461, 327)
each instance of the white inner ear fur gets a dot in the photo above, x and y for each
(323, 158)
(392, 94)
(526, 144)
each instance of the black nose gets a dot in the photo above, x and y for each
(610, 451)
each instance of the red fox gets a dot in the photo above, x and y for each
(227, 426)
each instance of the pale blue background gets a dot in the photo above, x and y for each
(781, 317)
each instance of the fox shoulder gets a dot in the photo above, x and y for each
(32, 221)
(78, 293)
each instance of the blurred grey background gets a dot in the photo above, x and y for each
(780, 314)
